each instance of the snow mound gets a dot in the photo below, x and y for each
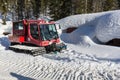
(81, 36)
(103, 26)
(108, 27)
(82, 19)
(77, 40)
(76, 20)
(5, 28)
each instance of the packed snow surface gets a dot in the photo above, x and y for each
(84, 58)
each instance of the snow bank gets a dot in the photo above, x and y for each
(108, 27)
(82, 19)
(106, 24)
(4, 41)
(82, 36)
(82, 42)
(103, 26)
(5, 28)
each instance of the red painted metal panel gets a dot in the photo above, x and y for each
(21, 39)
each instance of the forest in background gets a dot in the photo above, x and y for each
(56, 9)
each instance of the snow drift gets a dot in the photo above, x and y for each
(108, 27)
(5, 28)
(96, 27)
(82, 19)
(106, 24)
(81, 36)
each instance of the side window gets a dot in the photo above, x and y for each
(52, 28)
(45, 32)
(34, 31)
(18, 26)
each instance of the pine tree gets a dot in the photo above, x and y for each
(20, 9)
(97, 5)
(110, 5)
(60, 9)
(4, 9)
(65, 9)
(118, 4)
(89, 6)
(36, 4)
(28, 9)
(81, 6)
(44, 7)
(54, 9)
(12, 7)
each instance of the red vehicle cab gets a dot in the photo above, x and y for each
(37, 32)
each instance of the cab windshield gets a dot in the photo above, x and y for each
(48, 31)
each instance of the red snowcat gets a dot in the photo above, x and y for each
(35, 37)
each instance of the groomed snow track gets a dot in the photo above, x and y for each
(41, 68)
(32, 50)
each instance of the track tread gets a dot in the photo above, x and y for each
(28, 50)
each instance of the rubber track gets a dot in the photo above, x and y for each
(35, 51)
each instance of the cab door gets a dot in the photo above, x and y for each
(18, 31)
(34, 34)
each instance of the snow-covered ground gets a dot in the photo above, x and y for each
(84, 59)
(5, 28)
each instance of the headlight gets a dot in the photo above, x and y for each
(50, 42)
